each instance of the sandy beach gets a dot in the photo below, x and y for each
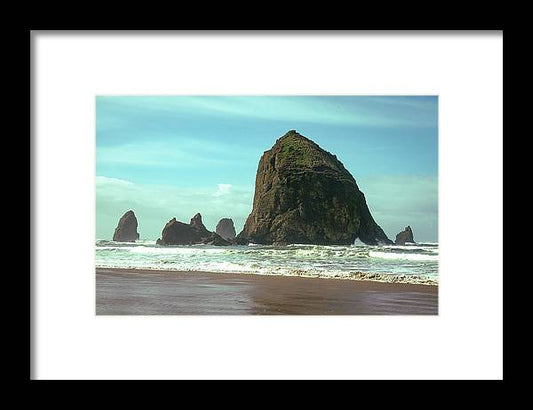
(150, 292)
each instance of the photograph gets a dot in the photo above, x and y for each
(266, 205)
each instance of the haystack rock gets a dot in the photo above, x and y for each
(126, 230)
(303, 194)
(225, 228)
(180, 233)
(404, 236)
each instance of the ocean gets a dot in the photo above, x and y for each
(412, 263)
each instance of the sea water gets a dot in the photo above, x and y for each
(412, 263)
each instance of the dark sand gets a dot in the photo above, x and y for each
(138, 292)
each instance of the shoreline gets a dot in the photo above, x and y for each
(124, 291)
(363, 276)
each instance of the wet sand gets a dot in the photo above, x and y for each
(138, 292)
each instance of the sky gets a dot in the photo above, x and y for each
(174, 156)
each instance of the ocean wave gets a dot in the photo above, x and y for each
(331, 261)
(308, 252)
(427, 244)
(177, 250)
(226, 267)
(411, 248)
(105, 243)
(304, 253)
(404, 256)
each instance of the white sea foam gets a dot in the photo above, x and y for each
(403, 256)
(300, 245)
(413, 264)
(407, 247)
(177, 251)
(226, 267)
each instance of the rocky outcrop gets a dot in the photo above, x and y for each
(215, 239)
(126, 230)
(303, 194)
(197, 224)
(180, 233)
(404, 236)
(225, 228)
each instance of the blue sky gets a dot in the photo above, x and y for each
(170, 156)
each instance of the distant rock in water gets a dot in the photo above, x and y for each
(303, 194)
(126, 230)
(215, 239)
(225, 228)
(179, 233)
(198, 225)
(404, 236)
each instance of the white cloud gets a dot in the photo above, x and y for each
(155, 205)
(161, 153)
(106, 181)
(223, 189)
(280, 108)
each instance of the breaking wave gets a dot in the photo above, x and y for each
(404, 256)
(403, 264)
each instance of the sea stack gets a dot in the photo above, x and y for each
(404, 236)
(126, 230)
(180, 233)
(225, 228)
(197, 224)
(303, 194)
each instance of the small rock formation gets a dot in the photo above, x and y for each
(215, 239)
(126, 230)
(404, 236)
(179, 233)
(225, 228)
(303, 194)
(198, 225)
